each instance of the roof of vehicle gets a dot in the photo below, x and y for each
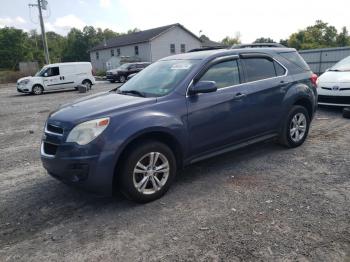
(69, 63)
(200, 55)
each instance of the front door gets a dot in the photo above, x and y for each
(52, 79)
(215, 119)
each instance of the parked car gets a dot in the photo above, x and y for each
(57, 76)
(334, 85)
(121, 73)
(178, 111)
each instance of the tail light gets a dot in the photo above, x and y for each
(313, 80)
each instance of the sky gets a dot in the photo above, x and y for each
(217, 19)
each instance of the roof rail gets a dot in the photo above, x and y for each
(204, 49)
(253, 45)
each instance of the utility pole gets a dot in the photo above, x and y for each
(42, 5)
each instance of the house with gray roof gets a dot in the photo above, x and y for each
(144, 46)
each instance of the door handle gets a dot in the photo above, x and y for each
(239, 96)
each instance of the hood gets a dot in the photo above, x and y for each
(335, 77)
(115, 71)
(95, 106)
(24, 78)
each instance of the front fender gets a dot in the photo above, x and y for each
(143, 123)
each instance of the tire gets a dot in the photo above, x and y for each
(346, 112)
(87, 83)
(122, 79)
(296, 127)
(112, 81)
(37, 90)
(145, 184)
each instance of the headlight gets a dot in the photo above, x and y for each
(85, 132)
(24, 82)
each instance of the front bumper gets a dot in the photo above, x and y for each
(334, 100)
(23, 89)
(88, 167)
(112, 77)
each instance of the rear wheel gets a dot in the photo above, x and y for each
(148, 171)
(296, 127)
(37, 90)
(112, 81)
(346, 112)
(87, 83)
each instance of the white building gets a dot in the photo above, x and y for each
(146, 46)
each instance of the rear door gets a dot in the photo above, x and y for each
(266, 84)
(70, 74)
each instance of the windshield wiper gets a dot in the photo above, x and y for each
(334, 70)
(133, 92)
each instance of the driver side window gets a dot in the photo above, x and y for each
(52, 71)
(224, 74)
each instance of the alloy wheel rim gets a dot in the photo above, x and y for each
(151, 173)
(297, 127)
(37, 90)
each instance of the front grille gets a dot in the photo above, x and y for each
(50, 149)
(54, 129)
(334, 99)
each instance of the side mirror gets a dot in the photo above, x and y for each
(46, 74)
(203, 87)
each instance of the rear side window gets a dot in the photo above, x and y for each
(280, 71)
(295, 59)
(224, 74)
(259, 68)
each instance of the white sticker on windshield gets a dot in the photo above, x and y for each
(181, 66)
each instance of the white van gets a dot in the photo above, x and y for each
(57, 76)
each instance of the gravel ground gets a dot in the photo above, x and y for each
(263, 202)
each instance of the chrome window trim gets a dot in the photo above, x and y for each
(223, 88)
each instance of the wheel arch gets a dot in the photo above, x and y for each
(86, 79)
(305, 102)
(157, 135)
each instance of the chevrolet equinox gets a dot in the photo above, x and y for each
(179, 110)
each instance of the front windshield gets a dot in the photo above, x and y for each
(342, 65)
(159, 78)
(41, 72)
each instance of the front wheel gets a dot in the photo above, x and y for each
(148, 172)
(37, 90)
(296, 127)
(122, 79)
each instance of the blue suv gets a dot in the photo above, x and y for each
(179, 110)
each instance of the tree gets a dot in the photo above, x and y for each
(230, 41)
(343, 38)
(14, 47)
(264, 40)
(319, 35)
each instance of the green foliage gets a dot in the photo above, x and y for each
(230, 41)
(17, 46)
(319, 35)
(264, 40)
(14, 47)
